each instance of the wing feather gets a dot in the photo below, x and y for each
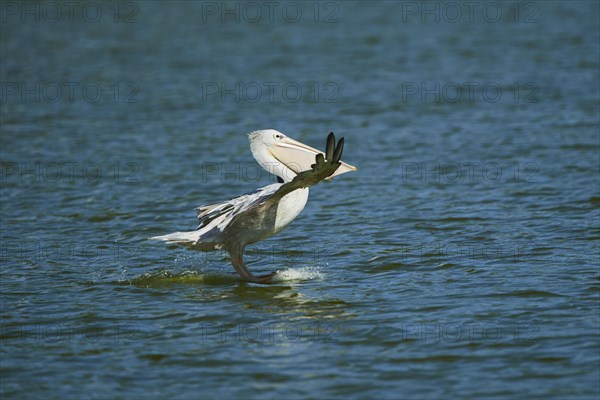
(219, 214)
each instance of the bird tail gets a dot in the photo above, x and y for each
(179, 237)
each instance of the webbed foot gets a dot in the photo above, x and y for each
(264, 278)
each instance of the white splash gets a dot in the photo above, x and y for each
(298, 274)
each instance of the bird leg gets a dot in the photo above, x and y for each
(237, 261)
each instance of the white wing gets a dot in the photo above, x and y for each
(220, 214)
(215, 217)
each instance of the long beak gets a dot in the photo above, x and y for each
(299, 157)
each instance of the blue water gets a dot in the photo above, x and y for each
(459, 261)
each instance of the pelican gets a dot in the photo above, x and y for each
(234, 224)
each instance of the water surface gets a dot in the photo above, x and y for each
(460, 261)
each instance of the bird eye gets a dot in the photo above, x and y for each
(278, 136)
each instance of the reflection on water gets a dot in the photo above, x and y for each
(283, 297)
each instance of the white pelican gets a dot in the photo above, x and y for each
(255, 216)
